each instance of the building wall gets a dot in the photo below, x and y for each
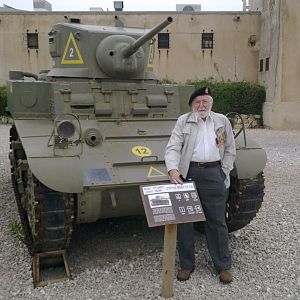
(273, 25)
(280, 41)
(231, 59)
(291, 50)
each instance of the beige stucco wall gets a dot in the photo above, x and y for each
(231, 59)
(291, 50)
(280, 40)
(287, 113)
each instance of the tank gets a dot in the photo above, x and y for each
(92, 129)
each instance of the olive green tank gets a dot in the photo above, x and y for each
(88, 132)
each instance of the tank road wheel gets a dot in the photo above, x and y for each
(244, 200)
(46, 215)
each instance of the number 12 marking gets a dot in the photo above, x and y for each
(141, 151)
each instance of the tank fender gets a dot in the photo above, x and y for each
(62, 174)
(59, 174)
(250, 159)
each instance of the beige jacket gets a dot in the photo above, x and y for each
(181, 145)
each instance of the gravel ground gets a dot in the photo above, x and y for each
(122, 259)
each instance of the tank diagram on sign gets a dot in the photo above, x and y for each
(159, 200)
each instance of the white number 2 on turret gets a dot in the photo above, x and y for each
(71, 52)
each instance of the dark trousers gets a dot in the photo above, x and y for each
(212, 191)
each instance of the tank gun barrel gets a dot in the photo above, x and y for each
(130, 49)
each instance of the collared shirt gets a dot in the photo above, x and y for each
(206, 149)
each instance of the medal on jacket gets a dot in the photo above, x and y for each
(221, 138)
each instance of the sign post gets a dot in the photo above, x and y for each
(169, 260)
(170, 204)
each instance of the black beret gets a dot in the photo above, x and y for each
(200, 92)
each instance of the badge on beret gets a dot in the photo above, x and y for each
(200, 92)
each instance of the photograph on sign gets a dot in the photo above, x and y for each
(171, 203)
(159, 200)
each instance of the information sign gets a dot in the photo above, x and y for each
(171, 203)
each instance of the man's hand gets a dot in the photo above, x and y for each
(174, 176)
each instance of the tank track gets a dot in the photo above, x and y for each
(51, 227)
(244, 201)
(28, 240)
(53, 218)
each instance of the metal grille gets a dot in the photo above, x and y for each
(261, 65)
(32, 40)
(163, 40)
(207, 40)
(267, 63)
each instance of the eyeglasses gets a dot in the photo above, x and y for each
(204, 102)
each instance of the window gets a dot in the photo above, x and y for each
(267, 63)
(163, 40)
(207, 40)
(261, 65)
(32, 40)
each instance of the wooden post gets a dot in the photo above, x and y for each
(169, 260)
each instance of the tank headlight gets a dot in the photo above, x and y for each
(65, 129)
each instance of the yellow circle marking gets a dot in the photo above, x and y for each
(141, 151)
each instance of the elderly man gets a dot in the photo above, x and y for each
(202, 148)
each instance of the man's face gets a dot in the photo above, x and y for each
(202, 105)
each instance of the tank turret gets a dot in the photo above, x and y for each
(102, 51)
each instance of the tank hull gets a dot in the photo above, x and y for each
(105, 178)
